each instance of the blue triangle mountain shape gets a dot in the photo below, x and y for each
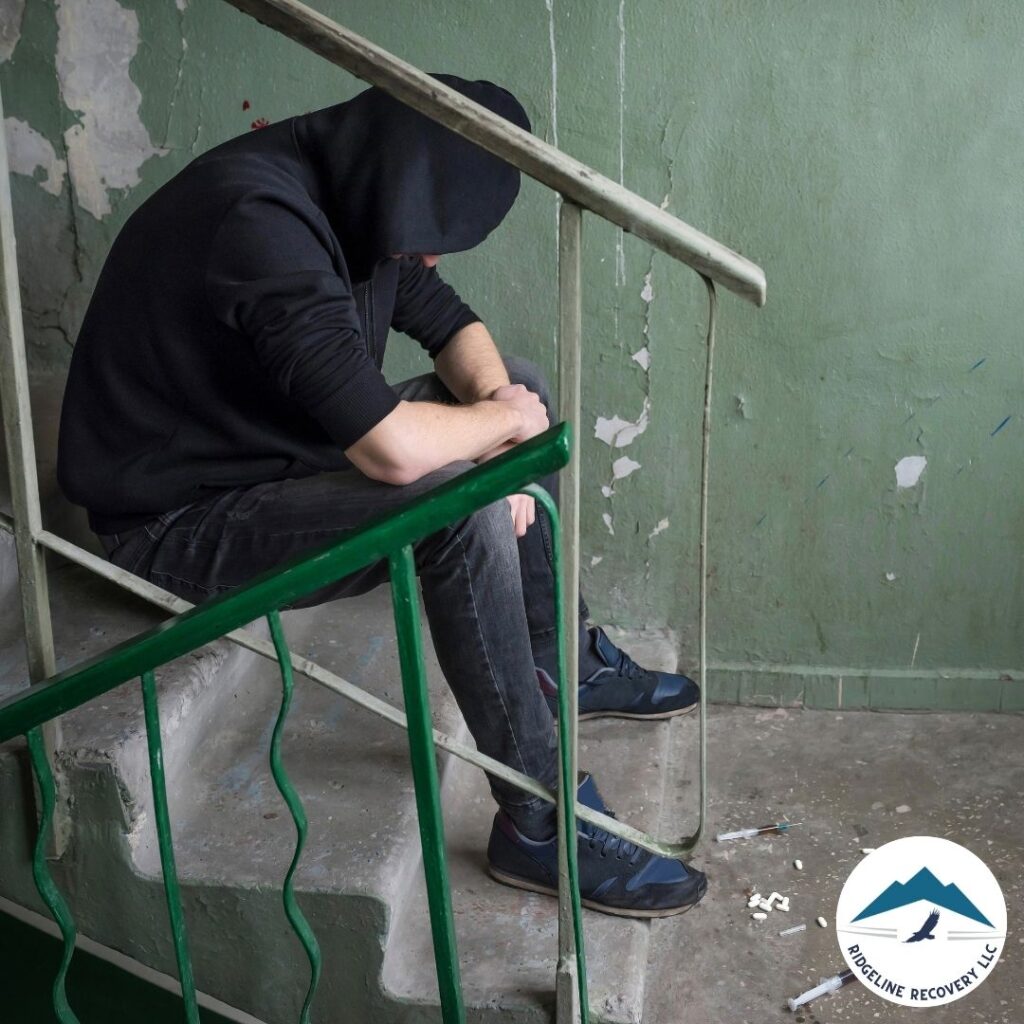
(923, 886)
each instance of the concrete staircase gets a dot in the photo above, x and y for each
(360, 881)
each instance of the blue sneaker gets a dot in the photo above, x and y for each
(616, 877)
(620, 688)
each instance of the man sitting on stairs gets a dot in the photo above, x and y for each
(226, 412)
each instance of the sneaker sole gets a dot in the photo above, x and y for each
(640, 718)
(522, 883)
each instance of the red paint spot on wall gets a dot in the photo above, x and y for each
(246, 104)
(260, 122)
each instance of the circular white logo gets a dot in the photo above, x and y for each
(921, 921)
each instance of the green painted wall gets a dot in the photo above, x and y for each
(867, 155)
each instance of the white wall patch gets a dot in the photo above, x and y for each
(617, 432)
(28, 151)
(596, 560)
(607, 520)
(606, 490)
(11, 13)
(95, 46)
(623, 467)
(909, 470)
(647, 292)
(643, 357)
(660, 528)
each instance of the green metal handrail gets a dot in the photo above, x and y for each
(388, 537)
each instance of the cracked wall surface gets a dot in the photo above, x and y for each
(887, 228)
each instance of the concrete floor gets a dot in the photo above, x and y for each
(850, 777)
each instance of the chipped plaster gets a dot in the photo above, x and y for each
(909, 470)
(11, 14)
(617, 432)
(106, 148)
(660, 528)
(28, 151)
(623, 467)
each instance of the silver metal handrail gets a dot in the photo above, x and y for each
(573, 180)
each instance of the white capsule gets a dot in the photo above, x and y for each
(783, 905)
(822, 923)
(759, 917)
(774, 897)
(754, 900)
(867, 849)
(798, 864)
(765, 905)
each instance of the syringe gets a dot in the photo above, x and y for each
(747, 833)
(833, 984)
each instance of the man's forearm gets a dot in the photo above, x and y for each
(419, 437)
(470, 365)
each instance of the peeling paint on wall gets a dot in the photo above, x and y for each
(95, 46)
(660, 528)
(607, 520)
(909, 470)
(11, 13)
(617, 432)
(28, 152)
(643, 357)
(622, 467)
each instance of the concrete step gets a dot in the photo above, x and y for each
(233, 836)
(360, 878)
(508, 938)
(107, 736)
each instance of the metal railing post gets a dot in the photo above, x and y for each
(570, 231)
(422, 756)
(23, 478)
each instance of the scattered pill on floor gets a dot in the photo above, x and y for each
(759, 917)
(798, 864)
(822, 923)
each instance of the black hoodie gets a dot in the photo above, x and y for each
(237, 329)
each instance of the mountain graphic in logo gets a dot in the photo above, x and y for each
(923, 886)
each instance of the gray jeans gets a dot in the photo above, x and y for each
(489, 598)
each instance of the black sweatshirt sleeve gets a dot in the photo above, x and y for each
(271, 277)
(427, 308)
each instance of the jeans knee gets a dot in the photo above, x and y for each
(493, 526)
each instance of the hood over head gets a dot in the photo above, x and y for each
(393, 181)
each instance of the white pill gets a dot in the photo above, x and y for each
(822, 923)
(783, 906)
(867, 849)
(798, 864)
(759, 917)
(754, 900)
(765, 905)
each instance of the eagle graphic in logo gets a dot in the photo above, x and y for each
(925, 931)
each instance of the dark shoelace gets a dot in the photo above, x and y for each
(627, 666)
(610, 844)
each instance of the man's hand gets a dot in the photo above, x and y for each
(524, 512)
(528, 404)
(535, 421)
